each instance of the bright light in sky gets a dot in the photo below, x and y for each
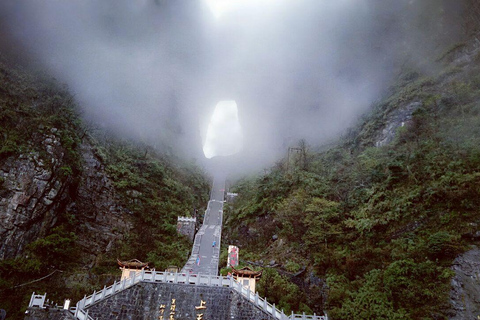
(220, 7)
(224, 133)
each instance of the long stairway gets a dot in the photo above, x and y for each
(206, 246)
(200, 270)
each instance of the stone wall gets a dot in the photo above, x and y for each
(48, 314)
(152, 300)
(186, 227)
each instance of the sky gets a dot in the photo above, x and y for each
(154, 70)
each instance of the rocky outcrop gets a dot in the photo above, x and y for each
(97, 206)
(39, 187)
(398, 118)
(465, 292)
(32, 193)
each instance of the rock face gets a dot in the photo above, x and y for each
(465, 293)
(398, 118)
(37, 188)
(32, 193)
(96, 204)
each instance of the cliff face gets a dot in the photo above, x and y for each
(35, 192)
(465, 293)
(97, 205)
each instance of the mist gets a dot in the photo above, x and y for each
(297, 69)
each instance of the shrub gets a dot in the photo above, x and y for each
(442, 245)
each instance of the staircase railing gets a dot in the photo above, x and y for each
(37, 300)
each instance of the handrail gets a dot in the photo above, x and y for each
(81, 314)
(152, 276)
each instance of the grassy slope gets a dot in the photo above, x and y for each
(380, 225)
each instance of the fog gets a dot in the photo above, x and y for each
(297, 69)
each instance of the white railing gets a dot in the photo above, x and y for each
(82, 314)
(37, 300)
(306, 317)
(189, 279)
(183, 219)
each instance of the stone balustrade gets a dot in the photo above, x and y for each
(187, 279)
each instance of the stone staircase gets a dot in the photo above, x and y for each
(81, 310)
(217, 236)
(208, 279)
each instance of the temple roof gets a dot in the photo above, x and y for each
(133, 264)
(246, 272)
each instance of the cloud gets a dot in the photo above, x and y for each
(154, 70)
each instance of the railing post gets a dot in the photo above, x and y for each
(165, 276)
(133, 278)
(273, 310)
(231, 282)
(303, 316)
(31, 299)
(93, 296)
(154, 273)
(175, 278)
(265, 304)
(76, 310)
(114, 287)
(123, 283)
(104, 291)
(256, 298)
(248, 294)
(187, 277)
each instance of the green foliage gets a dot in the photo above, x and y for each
(292, 266)
(34, 109)
(280, 291)
(412, 285)
(442, 245)
(369, 302)
(156, 192)
(56, 249)
(381, 224)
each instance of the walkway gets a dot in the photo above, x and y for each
(206, 247)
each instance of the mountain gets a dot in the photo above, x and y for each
(73, 199)
(376, 225)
